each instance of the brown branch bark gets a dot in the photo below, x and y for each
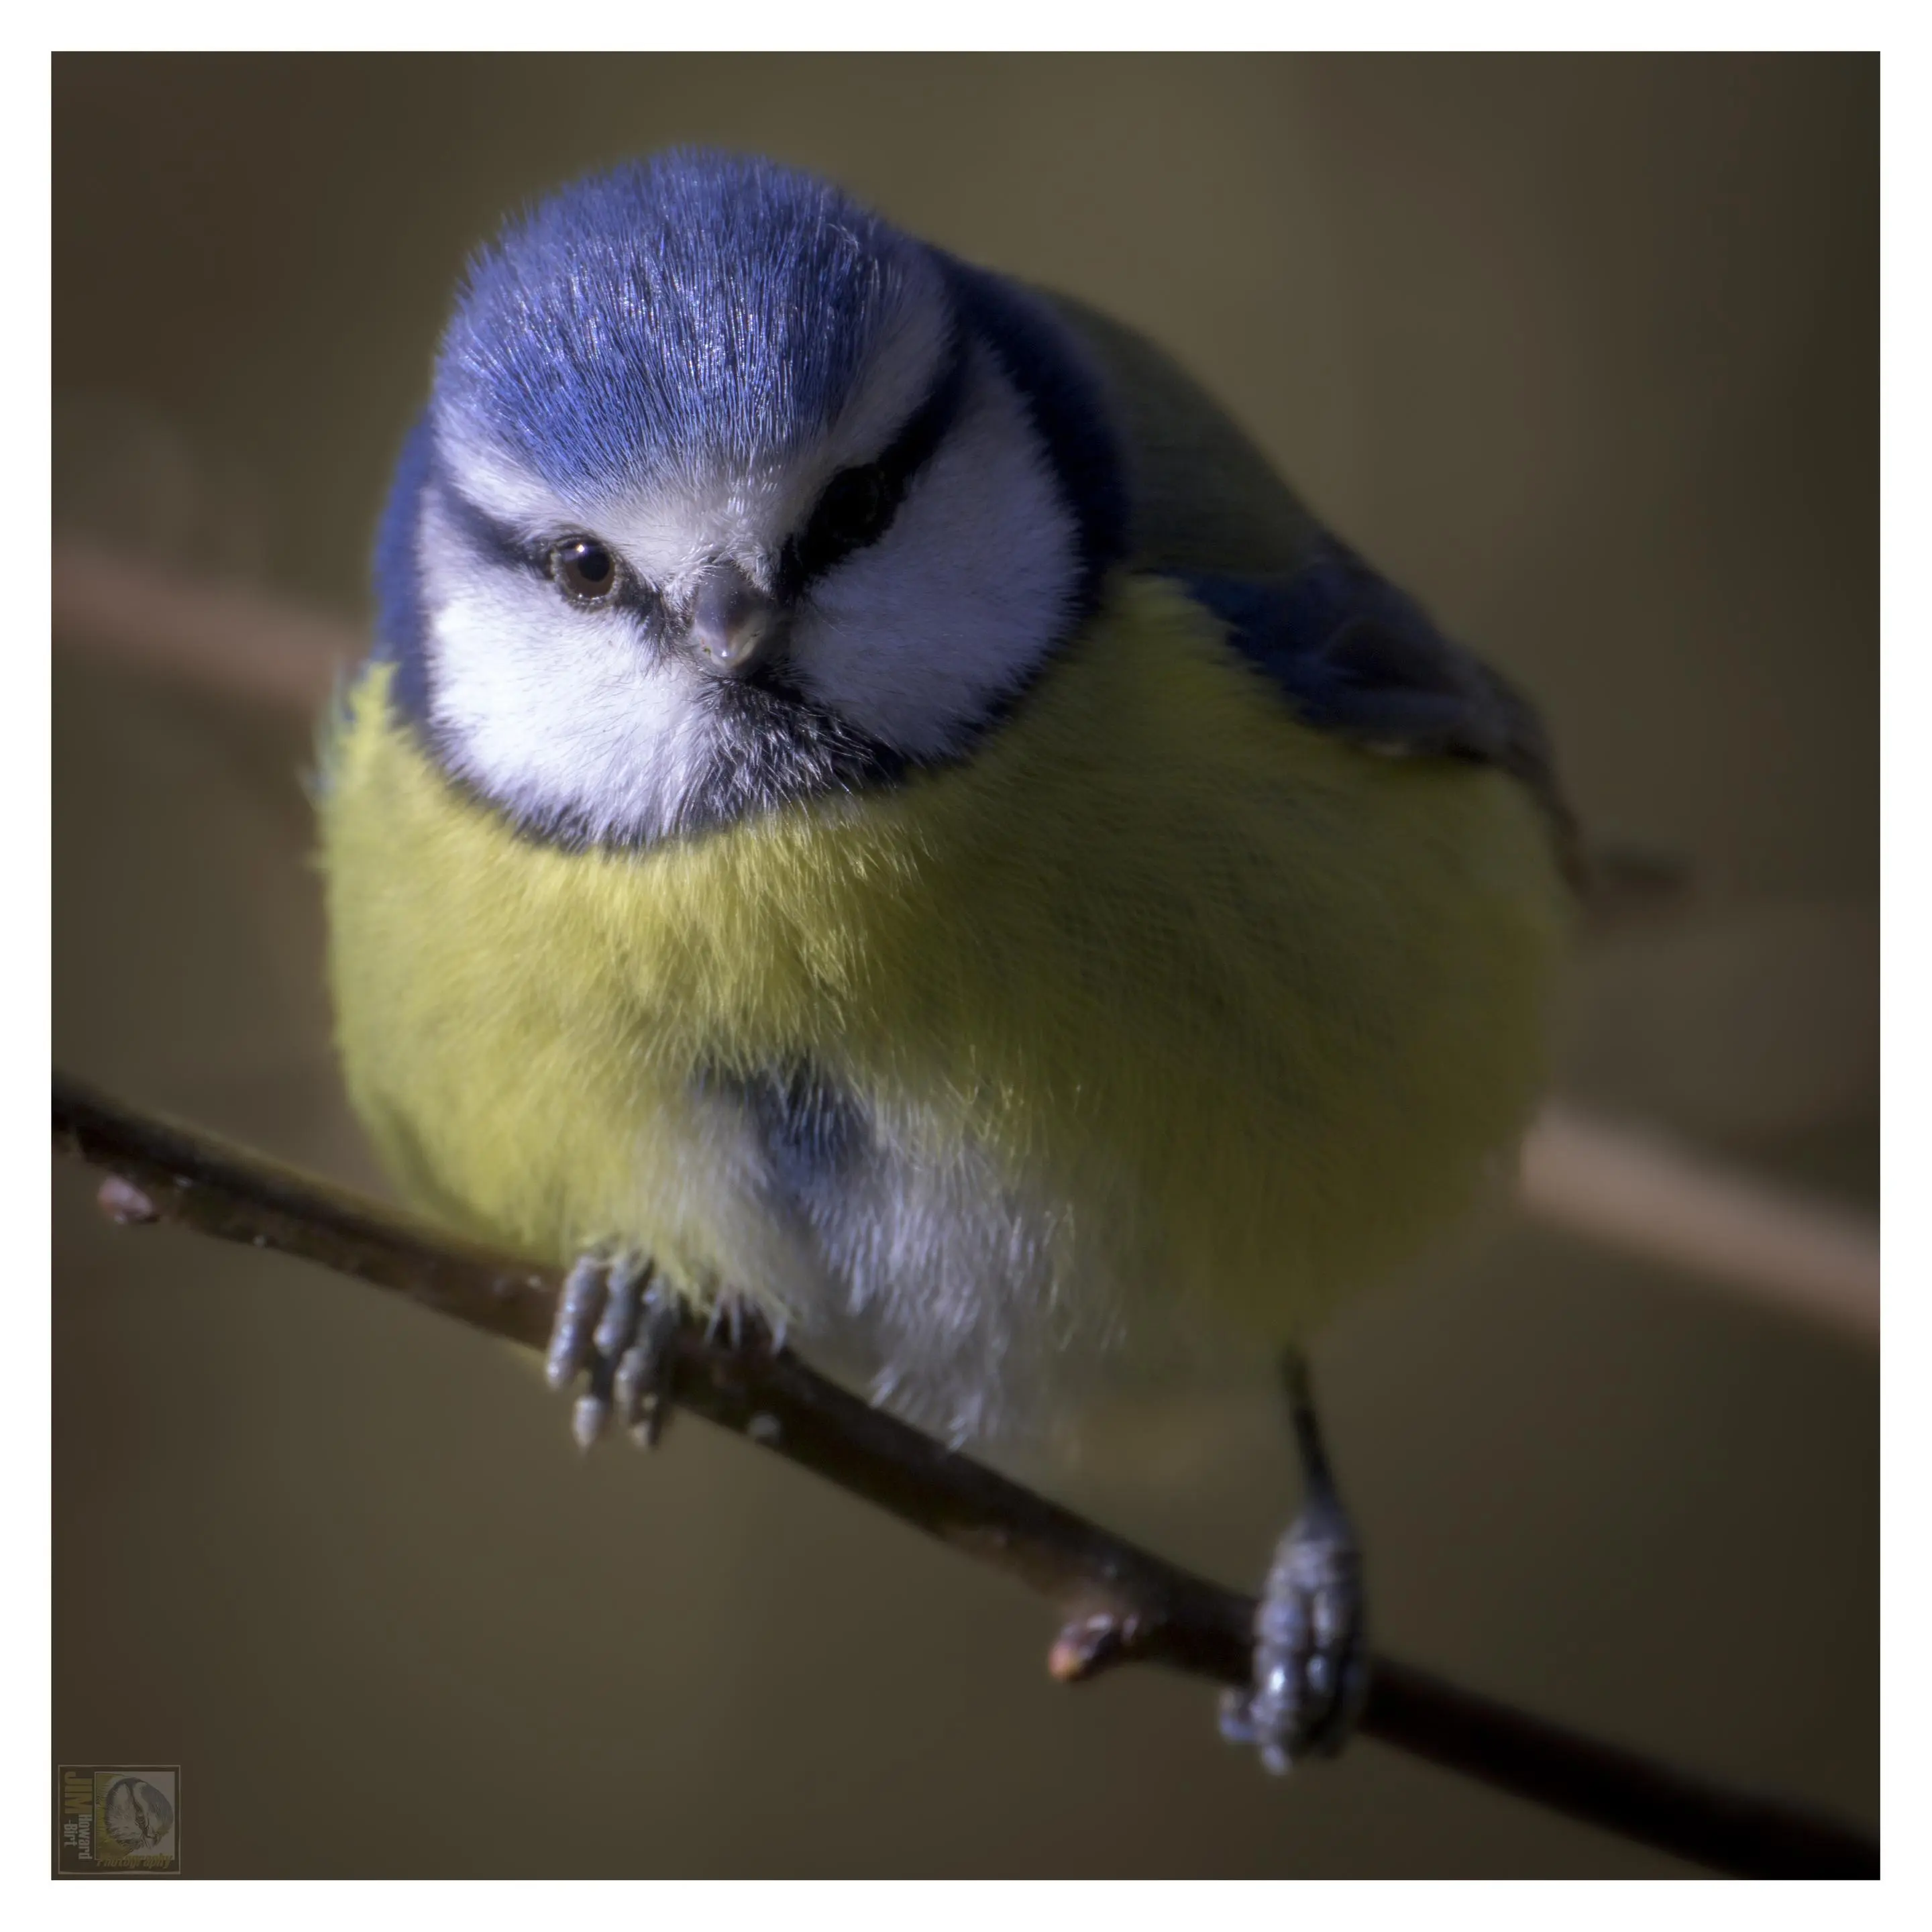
(1119, 1604)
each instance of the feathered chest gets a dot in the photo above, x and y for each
(1225, 1001)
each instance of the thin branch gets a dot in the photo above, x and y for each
(1612, 1184)
(229, 640)
(1119, 1604)
(1638, 1192)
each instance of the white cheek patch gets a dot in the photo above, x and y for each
(581, 723)
(915, 639)
(563, 715)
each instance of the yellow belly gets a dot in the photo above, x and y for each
(1242, 1009)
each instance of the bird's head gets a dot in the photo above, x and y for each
(729, 493)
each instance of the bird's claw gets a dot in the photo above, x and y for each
(616, 1320)
(1311, 1655)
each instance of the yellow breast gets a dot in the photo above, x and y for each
(1247, 1007)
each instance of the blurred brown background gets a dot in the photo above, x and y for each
(1584, 350)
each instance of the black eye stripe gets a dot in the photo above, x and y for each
(494, 542)
(485, 536)
(817, 548)
(488, 538)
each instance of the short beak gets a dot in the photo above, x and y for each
(734, 626)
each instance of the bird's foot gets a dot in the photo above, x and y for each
(1310, 1653)
(616, 1320)
(1311, 1648)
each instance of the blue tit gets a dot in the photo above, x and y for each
(871, 799)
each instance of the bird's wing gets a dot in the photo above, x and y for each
(1350, 652)
(1354, 655)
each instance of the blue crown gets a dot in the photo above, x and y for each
(690, 309)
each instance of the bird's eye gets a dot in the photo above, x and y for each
(584, 569)
(855, 507)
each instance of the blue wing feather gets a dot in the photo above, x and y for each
(1355, 655)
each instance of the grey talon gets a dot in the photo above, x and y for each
(587, 1419)
(643, 1377)
(592, 1411)
(623, 1289)
(610, 1322)
(633, 1372)
(577, 1306)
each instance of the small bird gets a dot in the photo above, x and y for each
(872, 805)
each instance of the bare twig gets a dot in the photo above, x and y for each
(229, 640)
(1635, 1191)
(1118, 1604)
(1611, 1184)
